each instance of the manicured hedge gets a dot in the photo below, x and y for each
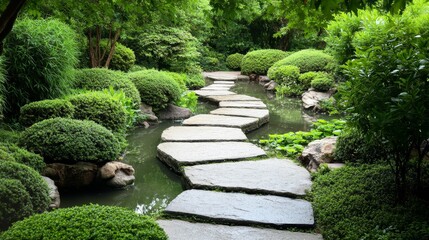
(308, 60)
(22, 156)
(90, 222)
(259, 61)
(233, 61)
(70, 140)
(101, 78)
(45, 109)
(180, 78)
(156, 88)
(195, 81)
(287, 74)
(123, 58)
(322, 83)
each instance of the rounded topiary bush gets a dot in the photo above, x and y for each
(100, 108)
(308, 60)
(233, 61)
(306, 78)
(156, 88)
(87, 222)
(322, 83)
(101, 78)
(33, 183)
(123, 58)
(41, 110)
(70, 140)
(180, 78)
(259, 61)
(23, 156)
(287, 74)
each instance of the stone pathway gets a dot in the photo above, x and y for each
(229, 180)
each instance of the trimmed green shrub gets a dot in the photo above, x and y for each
(322, 83)
(195, 81)
(233, 61)
(45, 109)
(101, 108)
(23, 156)
(101, 78)
(308, 60)
(156, 88)
(188, 100)
(33, 183)
(306, 78)
(5, 156)
(287, 74)
(123, 58)
(70, 140)
(359, 203)
(87, 222)
(259, 61)
(9, 136)
(211, 61)
(41, 55)
(180, 78)
(15, 202)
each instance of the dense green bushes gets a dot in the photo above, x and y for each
(308, 60)
(156, 88)
(100, 108)
(180, 78)
(41, 110)
(195, 81)
(233, 61)
(259, 61)
(123, 58)
(69, 140)
(359, 203)
(41, 55)
(87, 222)
(101, 78)
(2, 87)
(287, 74)
(32, 186)
(23, 156)
(322, 83)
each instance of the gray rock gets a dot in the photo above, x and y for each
(243, 208)
(274, 176)
(245, 123)
(181, 230)
(173, 112)
(311, 99)
(206, 93)
(202, 134)
(146, 110)
(262, 114)
(270, 86)
(178, 154)
(120, 180)
(243, 104)
(253, 77)
(229, 83)
(53, 193)
(236, 97)
(243, 78)
(263, 79)
(116, 174)
(318, 152)
(81, 174)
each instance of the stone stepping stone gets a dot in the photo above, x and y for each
(236, 97)
(243, 104)
(206, 93)
(214, 87)
(178, 154)
(274, 176)
(262, 114)
(224, 83)
(181, 230)
(247, 124)
(221, 77)
(245, 209)
(202, 134)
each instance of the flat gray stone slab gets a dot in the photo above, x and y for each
(206, 93)
(243, 208)
(224, 82)
(262, 114)
(272, 176)
(222, 77)
(214, 87)
(182, 230)
(236, 97)
(202, 134)
(178, 154)
(243, 104)
(247, 124)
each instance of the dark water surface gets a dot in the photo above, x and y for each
(155, 184)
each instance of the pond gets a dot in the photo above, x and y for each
(156, 185)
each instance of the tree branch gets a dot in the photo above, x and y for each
(8, 17)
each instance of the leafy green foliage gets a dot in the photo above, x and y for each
(156, 88)
(306, 78)
(2, 82)
(233, 61)
(126, 102)
(100, 78)
(87, 222)
(101, 108)
(286, 75)
(212, 60)
(291, 144)
(259, 61)
(180, 78)
(308, 60)
(195, 81)
(123, 58)
(188, 100)
(329, 106)
(41, 110)
(322, 83)
(41, 55)
(358, 203)
(9, 135)
(70, 140)
(23, 156)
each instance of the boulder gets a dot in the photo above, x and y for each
(81, 174)
(318, 152)
(263, 79)
(116, 174)
(53, 193)
(173, 112)
(148, 114)
(270, 86)
(253, 77)
(311, 99)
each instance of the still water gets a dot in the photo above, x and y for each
(156, 185)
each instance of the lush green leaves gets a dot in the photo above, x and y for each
(259, 61)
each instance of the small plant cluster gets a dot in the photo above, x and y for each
(11, 152)
(259, 61)
(233, 61)
(292, 144)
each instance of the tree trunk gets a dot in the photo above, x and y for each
(112, 48)
(7, 19)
